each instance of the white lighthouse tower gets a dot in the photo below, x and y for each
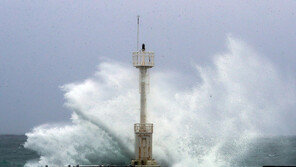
(143, 60)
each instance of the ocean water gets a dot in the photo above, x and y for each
(262, 151)
(12, 151)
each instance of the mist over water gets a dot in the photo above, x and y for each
(241, 96)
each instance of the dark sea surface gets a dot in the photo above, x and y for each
(12, 152)
(263, 151)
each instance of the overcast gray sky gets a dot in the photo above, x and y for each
(46, 44)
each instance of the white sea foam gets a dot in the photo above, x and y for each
(241, 95)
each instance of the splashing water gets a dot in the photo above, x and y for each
(240, 97)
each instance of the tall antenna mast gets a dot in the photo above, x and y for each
(138, 17)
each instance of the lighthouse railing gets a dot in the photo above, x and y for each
(143, 58)
(143, 128)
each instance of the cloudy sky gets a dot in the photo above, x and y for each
(46, 44)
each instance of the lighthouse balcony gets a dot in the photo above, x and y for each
(143, 128)
(143, 59)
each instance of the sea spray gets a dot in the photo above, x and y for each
(240, 96)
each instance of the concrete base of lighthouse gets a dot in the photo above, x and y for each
(148, 163)
(143, 146)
